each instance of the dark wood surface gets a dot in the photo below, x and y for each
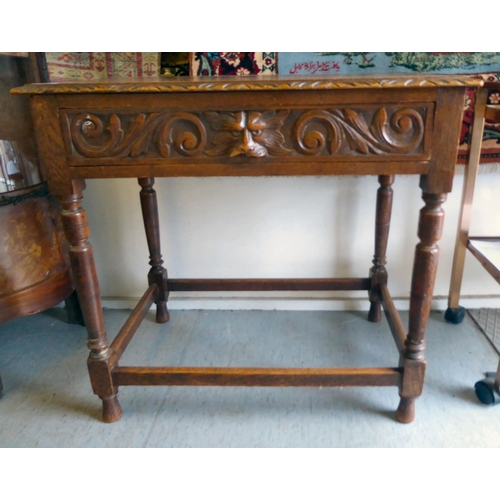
(266, 377)
(262, 285)
(378, 272)
(253, 127)
(157, 274)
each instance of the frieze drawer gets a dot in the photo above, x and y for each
(389, 131)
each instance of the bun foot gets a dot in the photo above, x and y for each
(375, 313)
(406, 411)
(111, 409)
(162, 315)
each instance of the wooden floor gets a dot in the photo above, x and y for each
(50, 404)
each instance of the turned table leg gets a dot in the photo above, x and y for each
(81, 255)
(158, 274)
(378, 272)
(424, 274)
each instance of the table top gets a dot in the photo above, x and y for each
(253, 83)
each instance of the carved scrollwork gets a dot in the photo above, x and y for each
(249, 133)
(92, 140)
(187, 143)
(313, 141)
(258, 134)
(401, 134)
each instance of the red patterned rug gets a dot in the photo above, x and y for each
(233, 63)
(490, 150)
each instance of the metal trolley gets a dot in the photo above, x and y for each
(485, 249)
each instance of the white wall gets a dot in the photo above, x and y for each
(304, 227)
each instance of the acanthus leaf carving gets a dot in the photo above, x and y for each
(401, 123)
(88, 126)
(187, 143)
(143, 130)
(401, 134)
(257, 134)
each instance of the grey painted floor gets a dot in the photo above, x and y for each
(48, 401)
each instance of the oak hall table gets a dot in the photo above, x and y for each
(252, 126)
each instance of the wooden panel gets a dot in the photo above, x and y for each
(201, 101)
(447, 126)
(50, 144)
(158, 168)
(260, 285)
(262, 377)
(386, 132)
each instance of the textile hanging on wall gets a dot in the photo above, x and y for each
(316, 63)
(485, 65)
(233, 63)
(92, 66)
(175, 63)
(490, 148)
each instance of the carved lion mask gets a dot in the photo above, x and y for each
(249, 133)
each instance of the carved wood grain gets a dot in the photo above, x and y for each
(357, 131)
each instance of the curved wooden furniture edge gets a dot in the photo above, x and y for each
(253, 83)
(49, 293)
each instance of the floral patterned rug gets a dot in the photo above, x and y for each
(490, 150)
(233, 63)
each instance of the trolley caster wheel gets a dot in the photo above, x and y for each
(486, 392)
(455, 316)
